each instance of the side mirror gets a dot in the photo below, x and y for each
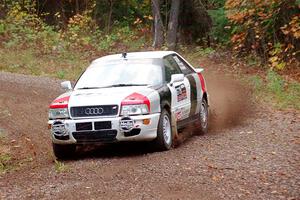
(199, 70)
(66, 85)
(176, 78)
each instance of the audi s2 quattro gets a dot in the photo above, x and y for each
(141, 96)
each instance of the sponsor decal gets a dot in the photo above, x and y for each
(181, 92)
(178, 114)
(181, 113)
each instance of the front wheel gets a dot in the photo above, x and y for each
(164, 138)
(64, 151)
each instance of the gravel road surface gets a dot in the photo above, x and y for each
(251, 152)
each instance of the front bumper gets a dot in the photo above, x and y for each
(71, 135)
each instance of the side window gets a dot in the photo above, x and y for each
(171, 67)
(182, 65)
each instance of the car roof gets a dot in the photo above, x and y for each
(135, 55)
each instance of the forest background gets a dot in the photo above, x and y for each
(59, 38)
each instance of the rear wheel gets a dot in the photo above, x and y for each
(164, 138)
(203, 117)
(64, 151)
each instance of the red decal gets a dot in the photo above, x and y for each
(178, 115)
(62, 99)
(136, 98)
(202, 82)
(60, 103)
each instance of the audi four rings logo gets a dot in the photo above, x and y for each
(93, 111)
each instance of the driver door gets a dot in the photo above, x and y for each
(180, 91)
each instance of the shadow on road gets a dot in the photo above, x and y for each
(122, 149)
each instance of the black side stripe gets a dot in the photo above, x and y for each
(193, 94)
(165, 96)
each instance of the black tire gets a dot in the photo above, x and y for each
(164, 139)
(203, 118)
(65, 151)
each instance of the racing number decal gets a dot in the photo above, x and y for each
(181, 92)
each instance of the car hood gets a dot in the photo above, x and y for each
(105, 96)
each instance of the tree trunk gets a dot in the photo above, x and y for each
(173, 24)
(111, 4)
(158, 25)
(77, 6)
(63, 13)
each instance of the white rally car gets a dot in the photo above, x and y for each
(141, 96)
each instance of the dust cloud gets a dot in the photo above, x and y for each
(230, 101)
(230, 105)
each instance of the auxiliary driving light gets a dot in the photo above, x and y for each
(58, 128)
(126, 123)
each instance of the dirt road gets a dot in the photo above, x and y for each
(250, 152)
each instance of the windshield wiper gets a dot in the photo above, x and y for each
(87, 88)
(125, 85)
(115, 85)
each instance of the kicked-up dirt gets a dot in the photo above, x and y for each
(251, 152)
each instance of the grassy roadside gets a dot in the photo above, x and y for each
(5, 155)
(65, 65)
(272, 88)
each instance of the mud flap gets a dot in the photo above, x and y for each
(174, 130)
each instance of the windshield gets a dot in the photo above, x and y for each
(121, 73)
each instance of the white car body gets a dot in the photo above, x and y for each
(94, 114)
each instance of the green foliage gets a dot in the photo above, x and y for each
(107, 42)
(44, 49)
(275, 83)
(256, 82)
(201, 52)
(2, 27)
(216, 3)
(60, 167)
(268, 28)
(123, 12)
(221, 29)
(81, 31)
(5, 160)
(61, 74)
(253, 61)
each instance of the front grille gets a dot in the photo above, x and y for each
(62, 137)
(84, 126)
(94, 111)
(95, 136)
(102, 125)
(133, 132)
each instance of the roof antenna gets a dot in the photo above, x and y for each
(124, 55)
